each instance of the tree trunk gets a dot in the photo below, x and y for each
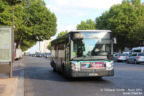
(18, 45)
(18, 42)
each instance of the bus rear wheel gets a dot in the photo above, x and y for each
(54, 70)
(53, 66)
(63, 70)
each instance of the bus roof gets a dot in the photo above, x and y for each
(90, 31)
(73, 31)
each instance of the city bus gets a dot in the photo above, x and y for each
(83, 53)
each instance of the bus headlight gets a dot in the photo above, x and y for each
(75, 66)
(109, 65)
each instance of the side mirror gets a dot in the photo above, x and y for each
(109, 56)
(115, 40)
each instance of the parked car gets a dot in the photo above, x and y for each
(38, 55)
(33, 55)
(121, 57)
(115, 56)
(18, 53)
(136, 58)
(26, 54)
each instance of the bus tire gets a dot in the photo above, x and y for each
(135, 62)
(53, 65)
(127, 61)
(99, 78)
(54, 68)
(63, 70)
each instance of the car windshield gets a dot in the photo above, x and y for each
(91, 47)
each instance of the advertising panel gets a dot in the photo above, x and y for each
(5, 44)
(92, 65)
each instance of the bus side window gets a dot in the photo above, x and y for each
(74, 50)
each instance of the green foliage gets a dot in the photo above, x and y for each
(5, 14)
(12, 2)
(62, 33)
(136, 2)
(88, 25)
(49, 46)
(126, 21)
(27, 44)
(59, 35)
(33, 21)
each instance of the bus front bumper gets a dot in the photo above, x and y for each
(95, 73)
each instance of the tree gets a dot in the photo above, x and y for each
(5, 14)
(59, 35)
(124, 20)
(13, 2)
(102, 21)
(62, 33)
(88, 25)
(33, 21)
(49, 46)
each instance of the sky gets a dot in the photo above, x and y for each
(69, 13)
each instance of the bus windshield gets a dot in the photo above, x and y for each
(91, 47)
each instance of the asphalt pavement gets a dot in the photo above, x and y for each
(40, 80)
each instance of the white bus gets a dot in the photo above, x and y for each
(83, 53)
(138, 50)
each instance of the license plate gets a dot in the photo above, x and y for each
(93, 74)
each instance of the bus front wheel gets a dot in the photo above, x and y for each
(99, 78)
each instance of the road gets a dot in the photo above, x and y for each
(40, 80)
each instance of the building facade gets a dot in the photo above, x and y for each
(43, 46)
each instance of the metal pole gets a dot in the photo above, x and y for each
(11, 63)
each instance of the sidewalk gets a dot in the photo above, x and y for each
(13, 86)
(8, 86)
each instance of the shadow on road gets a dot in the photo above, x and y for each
(43, 73)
